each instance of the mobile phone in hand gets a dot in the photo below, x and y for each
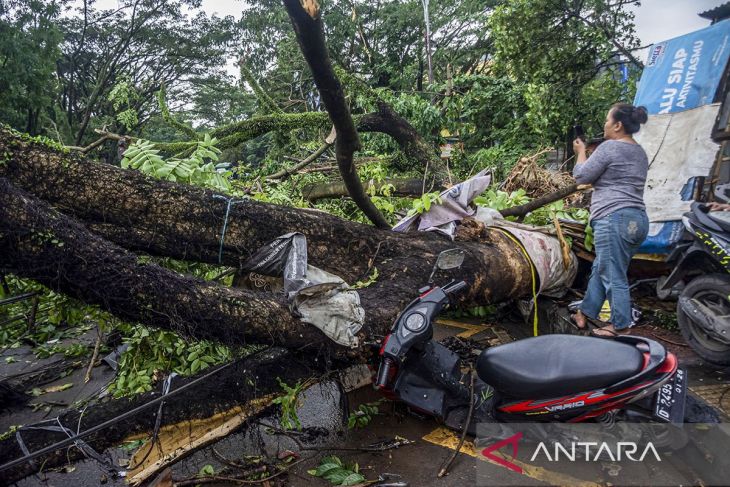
(579, 133)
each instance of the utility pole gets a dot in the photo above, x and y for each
(428, 39)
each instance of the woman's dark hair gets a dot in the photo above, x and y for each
(631, 117)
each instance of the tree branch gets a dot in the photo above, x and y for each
(522, 210)
(337, 189)
(170, 120)
(264, 99)
(611, 38)
(307, 22)
(288, 171)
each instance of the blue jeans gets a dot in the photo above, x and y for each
(616, 239)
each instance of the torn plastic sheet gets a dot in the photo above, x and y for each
(455, 206)
(544, 251)
(320, 298)
(112, 360)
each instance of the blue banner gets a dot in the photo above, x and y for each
(684, 72)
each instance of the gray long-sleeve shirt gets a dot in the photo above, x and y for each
(617, 170)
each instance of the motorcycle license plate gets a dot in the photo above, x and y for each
(669, 400)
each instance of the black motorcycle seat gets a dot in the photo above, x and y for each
(555, 365)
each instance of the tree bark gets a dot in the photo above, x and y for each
(184, 222)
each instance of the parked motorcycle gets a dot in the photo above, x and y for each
(702, 263)
(550, 378)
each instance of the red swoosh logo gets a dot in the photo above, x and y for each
(512, 440)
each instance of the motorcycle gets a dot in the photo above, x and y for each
(702, 264)
(549, 378)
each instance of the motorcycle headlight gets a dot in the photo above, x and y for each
(415, 321)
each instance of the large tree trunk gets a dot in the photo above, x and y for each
(167, 219)
(42, 244)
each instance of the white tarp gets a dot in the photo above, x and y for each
(331, 306)
(455, 206)
(544, 252)
(679, 147)
(320, 298)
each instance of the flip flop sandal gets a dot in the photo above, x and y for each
(604, 333)
(589, 321)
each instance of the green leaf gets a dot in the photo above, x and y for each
(326, 467)
(336, 475)
(353, 479)
(426, 202)
(332, 459)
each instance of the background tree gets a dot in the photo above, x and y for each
(563, 50)
(29, 47)
(144, 43)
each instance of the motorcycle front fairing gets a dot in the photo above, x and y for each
(431, 381)
(707, 249)
(414, 326)
(428, 376)
(711, 232)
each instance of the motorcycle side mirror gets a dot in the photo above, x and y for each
(448, 259)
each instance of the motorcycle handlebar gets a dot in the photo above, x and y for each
(454, 287)
(384, 373)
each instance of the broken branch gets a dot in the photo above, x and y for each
(310, 35)
(522, 210)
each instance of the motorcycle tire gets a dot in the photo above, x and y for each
(716, 287)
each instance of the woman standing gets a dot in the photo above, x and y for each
(617, 170)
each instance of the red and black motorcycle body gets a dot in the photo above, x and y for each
(552, 378)
(635, 374)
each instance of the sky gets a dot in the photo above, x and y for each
(656, 20)
(659, 20)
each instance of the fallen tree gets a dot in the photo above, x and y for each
(167, 219)
(40, 243)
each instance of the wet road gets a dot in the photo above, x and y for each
(323, 407)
